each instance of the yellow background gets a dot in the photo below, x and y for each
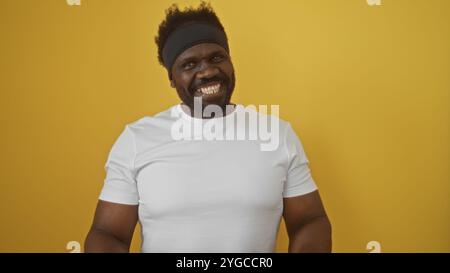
(365, 87)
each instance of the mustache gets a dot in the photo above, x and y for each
(222, 78)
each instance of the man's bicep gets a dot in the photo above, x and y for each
(115, 219)
(301, 209)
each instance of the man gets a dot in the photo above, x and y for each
(200, 195)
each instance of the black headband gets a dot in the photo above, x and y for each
(189, 35)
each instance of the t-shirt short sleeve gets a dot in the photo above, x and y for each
(120, 184)
(298, 179)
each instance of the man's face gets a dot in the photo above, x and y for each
(204, 70)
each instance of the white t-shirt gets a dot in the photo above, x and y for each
(204, 195)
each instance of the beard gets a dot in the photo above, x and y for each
(226, 91)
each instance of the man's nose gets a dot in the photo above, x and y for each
(207, 71)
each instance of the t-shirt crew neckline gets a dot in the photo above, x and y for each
(220, 124)
(227, 118)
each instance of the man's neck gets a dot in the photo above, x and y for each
(228, 109)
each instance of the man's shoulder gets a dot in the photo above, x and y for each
(265, 113)
(159, 120)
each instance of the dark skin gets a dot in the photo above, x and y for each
(307, 224)
(207, 64)
(112, 228)
(200, 66)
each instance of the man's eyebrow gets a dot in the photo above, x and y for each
(217, 52)
(187, 59)
(184, 59)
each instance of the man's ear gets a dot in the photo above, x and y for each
(172, 83)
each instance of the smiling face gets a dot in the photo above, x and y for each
(204, 70)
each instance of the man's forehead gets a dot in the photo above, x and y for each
(200, 51)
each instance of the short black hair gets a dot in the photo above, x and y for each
(176, 18)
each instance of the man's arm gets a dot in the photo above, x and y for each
(112, 229)
(307, 224)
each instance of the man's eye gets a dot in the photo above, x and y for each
(217, 58)
(188, 65)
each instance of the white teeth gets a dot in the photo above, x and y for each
(210, 90)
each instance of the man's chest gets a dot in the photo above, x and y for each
(193, 175)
